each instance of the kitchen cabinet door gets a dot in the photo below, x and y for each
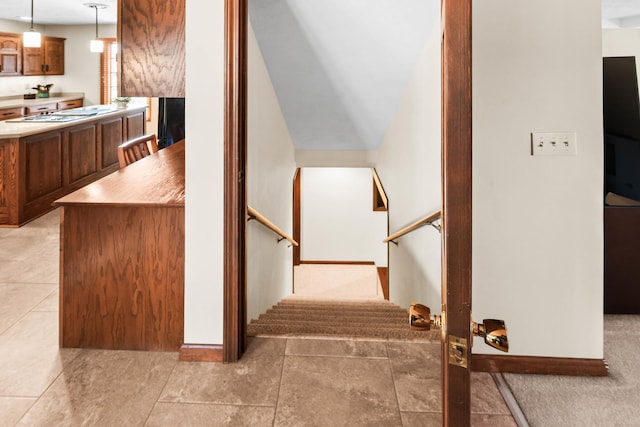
(10, 54)
(45, 60)
(151, 37)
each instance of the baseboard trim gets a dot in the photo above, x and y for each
(201, 353)
(539, 365)
(339, 262)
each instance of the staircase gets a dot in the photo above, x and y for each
(347, 319)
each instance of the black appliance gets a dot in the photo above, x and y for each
(170, 121)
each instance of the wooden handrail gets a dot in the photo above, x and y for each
(254, 214)
(427, 220)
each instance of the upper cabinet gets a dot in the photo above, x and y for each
(48, 59)
(151, 40)
(10, 54)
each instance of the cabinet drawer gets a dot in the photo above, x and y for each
(74, 103)
(10, 113)
(42, 108)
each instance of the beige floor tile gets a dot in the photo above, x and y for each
(104, 388)
(18, 299)
(416, 374)
(30, 357)
(484, 420)
(254, 380)
(51, 301)
(421, 419)
(205, 414)
(332, 391)
(44, 271)
(338, 348)
(485, 397)
(13, 408)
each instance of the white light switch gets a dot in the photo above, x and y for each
(554, 144)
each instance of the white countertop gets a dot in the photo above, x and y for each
(11, 129)
(55, 97)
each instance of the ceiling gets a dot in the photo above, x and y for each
(59, 12)
(73, 12)
(338, 78)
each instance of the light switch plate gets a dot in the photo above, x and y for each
(554, 144)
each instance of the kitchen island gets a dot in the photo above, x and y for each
(122, 258)
(41, 161)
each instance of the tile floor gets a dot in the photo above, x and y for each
(279, 382)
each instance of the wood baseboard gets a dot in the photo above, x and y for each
(539, 365)
(383, 275)
(201, 353)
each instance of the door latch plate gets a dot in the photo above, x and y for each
(458, 351)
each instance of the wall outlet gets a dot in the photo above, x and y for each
(554, 144)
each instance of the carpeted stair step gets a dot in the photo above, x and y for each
(341, 331)
(366, 319)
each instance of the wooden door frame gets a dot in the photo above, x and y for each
(456, 207)
(456, 194)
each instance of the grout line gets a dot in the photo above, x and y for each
(159, 395)
(509, 399)
(393, 381)
(284, 360)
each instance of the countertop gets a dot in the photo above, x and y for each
(11, 129)
(137, 184)
(17, 102)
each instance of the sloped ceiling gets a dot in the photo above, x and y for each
(340, 67)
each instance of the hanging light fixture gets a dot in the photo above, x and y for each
(96, 45)
(31, 38)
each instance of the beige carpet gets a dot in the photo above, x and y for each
(346, 319)
(563, 401)
(337, 281)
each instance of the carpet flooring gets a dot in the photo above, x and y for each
(346, 319)
(550, 400)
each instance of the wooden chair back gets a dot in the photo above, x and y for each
(137, 148)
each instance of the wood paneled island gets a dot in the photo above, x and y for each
(42, 161)
(122, 258)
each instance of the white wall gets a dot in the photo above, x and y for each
(271, 168)
(622, 42)
(337, 220)
(204, 173)
(409, 165)
(82, 68)
(537, 221)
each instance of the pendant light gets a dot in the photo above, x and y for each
(96, 45)
(31, 38)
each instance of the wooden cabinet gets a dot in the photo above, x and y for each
(10, 113)
(45, 60)
(151, 36)
(37, 169)
(10, 54)
(122, 258)
(73, 103)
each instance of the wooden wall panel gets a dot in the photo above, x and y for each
(82, 156)
(122, 277)
(134, 126)
(111, 135)
(43, 165)
(151, 34)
